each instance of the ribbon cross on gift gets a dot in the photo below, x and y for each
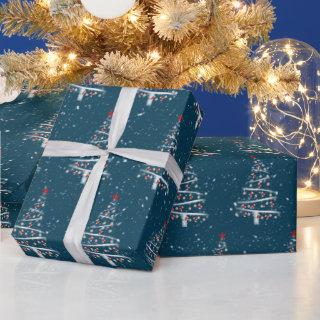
(76, 228)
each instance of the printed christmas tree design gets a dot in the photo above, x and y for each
(293, 241)
(258, 199)
(43, 132)
(153, 245)
(170, 143)
(4, 216)
(99, 243)
(85, 91)
(189, 203)
(253, 148)
(152, 174)
(82, 166)
(29, 233)
(100, 137)
(199, 118)
(4, 213)
(203, 152)
(157, 96)
(222, 247)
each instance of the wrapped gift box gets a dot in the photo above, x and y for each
(133, 202)
(237, 197)
(25, 126)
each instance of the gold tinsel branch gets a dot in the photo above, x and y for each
(117, 69)
(256, 20)
(21, 17)
(176, 20)
(38, 69)
(159, 44)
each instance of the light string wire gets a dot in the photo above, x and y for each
(301, 106)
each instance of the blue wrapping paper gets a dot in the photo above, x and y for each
(25, 126)
(237, 197)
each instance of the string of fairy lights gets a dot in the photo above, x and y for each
(303, 140)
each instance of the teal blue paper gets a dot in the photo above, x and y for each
(25, 125)
(134, 200)
(237, 197)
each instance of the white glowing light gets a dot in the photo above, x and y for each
(164, 17)
(308, 183)
(256, 109)
(87, 21)
(272, 133)
(237, 4)
(272, 78)
(52, 57)
(288, 49)
(302, 88)
(154, 55)
(133, 17)
(288, 99)
(72, 56)
(302, 139)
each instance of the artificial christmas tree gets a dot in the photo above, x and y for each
(157, 44)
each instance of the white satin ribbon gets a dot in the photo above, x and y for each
(79, 220)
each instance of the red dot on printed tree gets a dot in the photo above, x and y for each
(222, 236)
(116, 197)
(180, 118)
(45, 190)
(293, 234)
(110, 114)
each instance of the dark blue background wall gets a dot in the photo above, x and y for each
(226, 115)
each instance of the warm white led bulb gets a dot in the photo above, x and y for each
(237, 4)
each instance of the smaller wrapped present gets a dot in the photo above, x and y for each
(25, 126)
(104, 188)
(237, 197)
